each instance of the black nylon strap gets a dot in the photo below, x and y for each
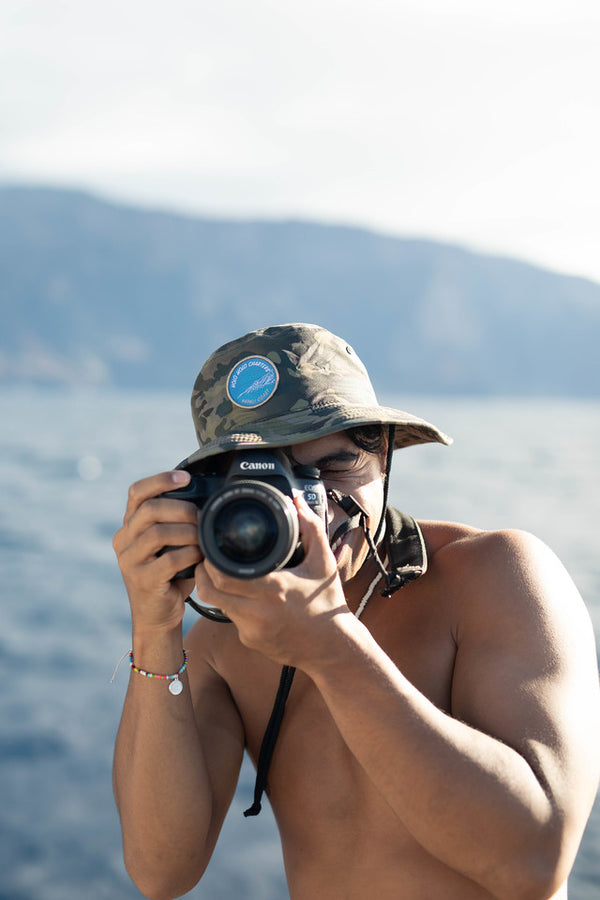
(354, 514)
(407, 553)
(270, 738)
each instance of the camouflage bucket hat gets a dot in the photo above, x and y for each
(288, 384)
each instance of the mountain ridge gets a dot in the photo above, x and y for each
(96, 292)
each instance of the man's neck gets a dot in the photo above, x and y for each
(357, 587)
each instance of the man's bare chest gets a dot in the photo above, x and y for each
(420, 644)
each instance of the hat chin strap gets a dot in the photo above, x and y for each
(357, 518)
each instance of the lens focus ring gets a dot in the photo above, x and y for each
(248, 529)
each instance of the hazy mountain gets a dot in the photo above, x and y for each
(94, 292)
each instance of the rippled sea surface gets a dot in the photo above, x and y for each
(66, 462)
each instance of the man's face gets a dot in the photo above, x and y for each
(350, 470)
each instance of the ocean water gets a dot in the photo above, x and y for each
(66, 460)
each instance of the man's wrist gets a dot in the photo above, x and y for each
(344, 642)
(158, 649)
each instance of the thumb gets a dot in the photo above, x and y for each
(312, 529)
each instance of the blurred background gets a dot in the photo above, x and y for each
(418, 177)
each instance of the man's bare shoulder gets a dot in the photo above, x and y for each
(442, 534)
(456, 550)
(496, 562)
(449, 542)
(502, 582)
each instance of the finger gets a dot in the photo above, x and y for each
(312, 527)
(206, 590)
(150, 528)
(154, 543)
(150, 512)
(156, 572)
(159, 509)
(233, 596)
(175, 560)
(153, 486)
(223, 583)
(319, 560)
(163, 535)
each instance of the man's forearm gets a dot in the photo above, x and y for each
(471, 801)
(161, 780)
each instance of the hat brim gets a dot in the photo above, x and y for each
(305, 426)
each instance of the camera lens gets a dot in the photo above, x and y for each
(248, 529)
(245, 531)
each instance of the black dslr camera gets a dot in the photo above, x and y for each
(248, 525)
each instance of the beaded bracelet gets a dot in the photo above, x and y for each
(175, 686)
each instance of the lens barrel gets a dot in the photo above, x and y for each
(248, 529)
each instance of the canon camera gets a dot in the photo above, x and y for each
(248, 525)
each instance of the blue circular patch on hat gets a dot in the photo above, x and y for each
(252, 382)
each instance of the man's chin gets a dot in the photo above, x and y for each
(349, 565)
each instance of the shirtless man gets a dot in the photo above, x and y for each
(443, 746)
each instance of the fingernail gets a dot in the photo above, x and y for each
(180, 476)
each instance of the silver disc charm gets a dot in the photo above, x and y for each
(176, 686)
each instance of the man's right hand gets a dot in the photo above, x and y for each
(152, 522)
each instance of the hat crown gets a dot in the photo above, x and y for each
(275, 373)
(287, 384)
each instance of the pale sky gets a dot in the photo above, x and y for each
(468, 121)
